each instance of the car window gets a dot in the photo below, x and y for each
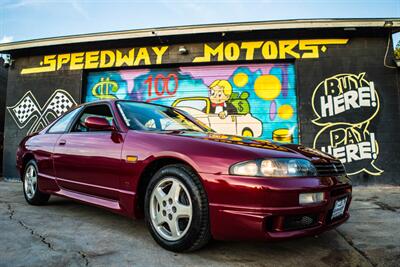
(102, 111)
(141, 116)
(62, 124)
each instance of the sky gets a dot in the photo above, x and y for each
(33, 19)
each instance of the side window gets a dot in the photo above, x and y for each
(62, 124)
(102, 111)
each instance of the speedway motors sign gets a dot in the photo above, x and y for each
(198, 53)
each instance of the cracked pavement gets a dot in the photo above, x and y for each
(66, 233)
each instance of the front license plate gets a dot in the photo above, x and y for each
(339, 207)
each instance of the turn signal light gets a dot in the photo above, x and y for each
(311, 198)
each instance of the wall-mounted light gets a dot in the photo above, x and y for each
(183, 50)
(388, 23)
(8, 61)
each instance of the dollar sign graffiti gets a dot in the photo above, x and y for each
(240, 104)
(101, 89)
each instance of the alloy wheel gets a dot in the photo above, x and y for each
(30, 181)
(171, 209)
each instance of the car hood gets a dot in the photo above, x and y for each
(257, 143)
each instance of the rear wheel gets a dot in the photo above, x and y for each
(176, 209)
(30, 184)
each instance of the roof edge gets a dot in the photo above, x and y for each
(204, 28)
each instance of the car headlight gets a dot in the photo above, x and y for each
(280, 167)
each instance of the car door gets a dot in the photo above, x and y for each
(42, 145)
(89, 161)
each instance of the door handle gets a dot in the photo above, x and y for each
(62, 142)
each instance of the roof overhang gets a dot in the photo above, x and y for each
(393, 23)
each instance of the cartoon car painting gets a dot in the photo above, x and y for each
(242, 123)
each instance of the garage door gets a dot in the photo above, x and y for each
(249, 99)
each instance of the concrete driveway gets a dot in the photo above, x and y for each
(65, 233)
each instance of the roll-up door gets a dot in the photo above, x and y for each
(256, 100)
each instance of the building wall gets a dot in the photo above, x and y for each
(31, 103)
(332, 94)
(3, 89)
(357, 120)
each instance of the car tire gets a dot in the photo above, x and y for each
(32, 193)
(161, 212)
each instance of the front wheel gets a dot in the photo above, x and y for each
(30, 183)
(176, 209)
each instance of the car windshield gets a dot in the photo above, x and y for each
(141, 116)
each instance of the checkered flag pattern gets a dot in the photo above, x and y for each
(59, 104)
(24, 109)
(27, 108)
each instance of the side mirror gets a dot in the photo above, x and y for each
(98, 123)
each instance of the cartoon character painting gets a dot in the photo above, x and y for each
(254, 100)
(230, 123)
(220, 93)
(218, 112)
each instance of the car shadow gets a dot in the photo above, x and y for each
(328, 248)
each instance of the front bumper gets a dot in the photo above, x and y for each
(268, 208)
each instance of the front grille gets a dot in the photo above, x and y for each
(330, 169)
(295, 222)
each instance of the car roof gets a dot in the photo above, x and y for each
(120, 100)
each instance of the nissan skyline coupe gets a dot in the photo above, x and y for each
(189, 183)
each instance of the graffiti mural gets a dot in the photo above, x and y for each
(344, 105)
(28, 109)
(256, 100)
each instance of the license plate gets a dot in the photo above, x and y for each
(339, 207)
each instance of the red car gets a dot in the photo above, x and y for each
(188, 182)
